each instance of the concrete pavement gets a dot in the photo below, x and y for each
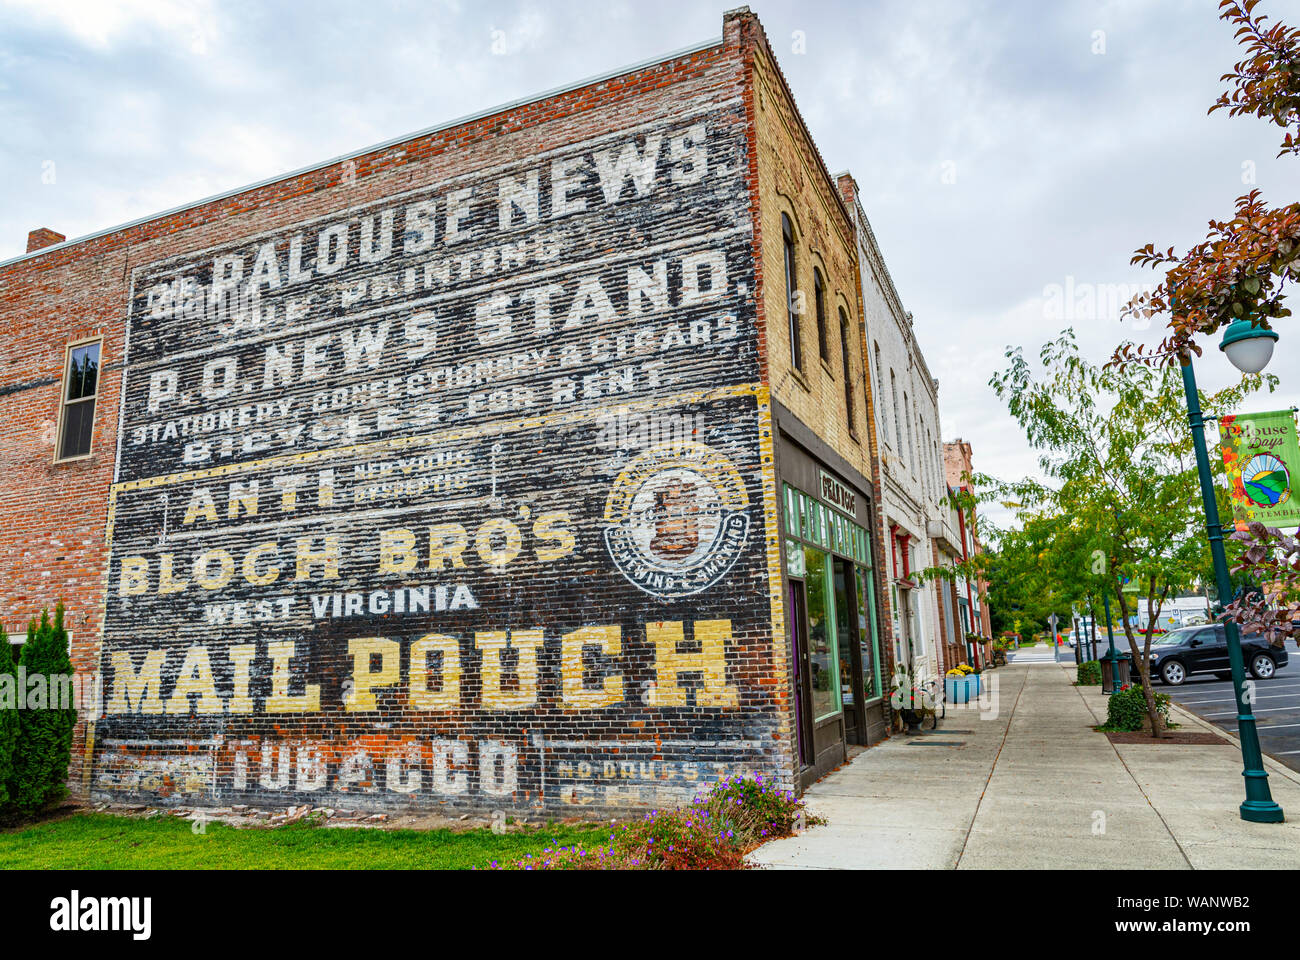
(1038, 653)
(1277, 709)
(1025, 782)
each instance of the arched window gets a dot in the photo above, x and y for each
(819, 301)
(898, 423)
(848, 381)
(792, 292)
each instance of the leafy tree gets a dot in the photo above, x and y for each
(8, 719)
(1241, 270)
(45, 744)
(1243, 266)
(1117, 453)
(1021, 587)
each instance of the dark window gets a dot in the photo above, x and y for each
(82, 385)
(792, 292)
(819, 299)
(844, 354)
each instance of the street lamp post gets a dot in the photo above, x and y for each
(1249, 349)
(1114, 654)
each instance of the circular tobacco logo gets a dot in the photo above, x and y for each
(677, 518)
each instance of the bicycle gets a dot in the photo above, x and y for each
(939, 708)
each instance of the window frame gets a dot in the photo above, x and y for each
(791, 289)
(898, 424)
(64, 402)
(846, 363)
(819, 307)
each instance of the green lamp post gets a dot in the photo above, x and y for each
(1113, 655)
(1248, 348)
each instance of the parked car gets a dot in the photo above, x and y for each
(1191, 650)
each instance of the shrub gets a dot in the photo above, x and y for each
(1089, 673)
(8, 719)
(713, 833)
(1127, 709)
(45, 731)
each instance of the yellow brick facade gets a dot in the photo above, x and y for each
(792, 180)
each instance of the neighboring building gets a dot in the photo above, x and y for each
(522, 463)
(908, 472)
(971, 596)
(821, 404)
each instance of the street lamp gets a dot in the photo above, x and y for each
(1249, 348)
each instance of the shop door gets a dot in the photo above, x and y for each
(802, 656)
(846, 631)
(905, 653)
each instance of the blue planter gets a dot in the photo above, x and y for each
(962, 689)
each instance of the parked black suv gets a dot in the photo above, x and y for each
(1204, 649)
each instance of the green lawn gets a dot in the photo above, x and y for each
(105, 842)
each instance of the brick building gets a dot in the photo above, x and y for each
(958, 468)
(522, 463)
(914, 523)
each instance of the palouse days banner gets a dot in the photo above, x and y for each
(1262, 456)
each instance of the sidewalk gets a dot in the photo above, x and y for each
(1030, 784)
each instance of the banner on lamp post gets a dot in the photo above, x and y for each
(1261, 455)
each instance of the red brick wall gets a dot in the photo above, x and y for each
(665, 733)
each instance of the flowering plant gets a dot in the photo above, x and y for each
(909, 692)
(713, 832)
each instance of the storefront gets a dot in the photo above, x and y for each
(831, 609)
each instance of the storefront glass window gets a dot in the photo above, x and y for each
(794, 558)
(821, 635)
(825, 548)
(867, 633)
(843, 628)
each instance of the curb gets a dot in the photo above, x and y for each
(1274, 766)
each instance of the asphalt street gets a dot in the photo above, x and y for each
(1276, 708)
(1277, 705)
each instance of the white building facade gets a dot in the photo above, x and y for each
(918, 528)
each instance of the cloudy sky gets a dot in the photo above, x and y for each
(1001, 147)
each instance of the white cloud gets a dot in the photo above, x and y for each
(1064, 160)
(99, 23)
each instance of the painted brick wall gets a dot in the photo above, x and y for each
(793, 181)
(443, 477)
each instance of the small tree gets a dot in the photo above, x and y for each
(45, 744)
(1122, 481)
(8, 720)
(1241, 270)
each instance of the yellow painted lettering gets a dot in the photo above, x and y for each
(493, 644)
(139, 692)
(134, 578)
(710, 662)
(201, 507)
(166, 581)
(397, 551)
(572, 646)
(447, 696)
(365, 679)
(447, 541)
(498, 556)
(281, 700)
(306, 556)
(272, 571)
(559, 540)
(241, 658)
(225, 569)
(195, 678)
